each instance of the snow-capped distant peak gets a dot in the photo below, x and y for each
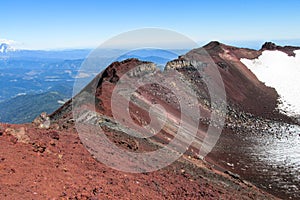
(4, 47)
(7, 45)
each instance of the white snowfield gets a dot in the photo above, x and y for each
(282, 72)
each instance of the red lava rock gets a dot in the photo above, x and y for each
(39, 147)
(1, 131)
(54, 135)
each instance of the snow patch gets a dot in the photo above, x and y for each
(21, 94)
(282, 72)
(61, 102)
(82, 75)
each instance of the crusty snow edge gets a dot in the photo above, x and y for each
(282, 72)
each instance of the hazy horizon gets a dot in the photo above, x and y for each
(253, 44)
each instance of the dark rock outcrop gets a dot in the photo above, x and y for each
(289, 50)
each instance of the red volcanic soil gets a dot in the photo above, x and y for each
(53, 164)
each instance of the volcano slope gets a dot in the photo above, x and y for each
(56, 163)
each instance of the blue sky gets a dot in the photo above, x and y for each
(52, 24)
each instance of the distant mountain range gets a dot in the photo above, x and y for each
(158, 56)
(43, 55)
